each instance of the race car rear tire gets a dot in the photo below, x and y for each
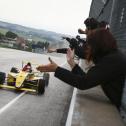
(46, 78)
(2, 77)
(41, 86)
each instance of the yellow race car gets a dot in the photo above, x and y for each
(26, 81)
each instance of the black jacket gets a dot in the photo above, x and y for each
(109, 72)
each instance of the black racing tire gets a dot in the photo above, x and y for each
(41, 86)
(2, 77)
(46, 78)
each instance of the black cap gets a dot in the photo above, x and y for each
(91, 23)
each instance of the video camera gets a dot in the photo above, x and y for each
(74, 42)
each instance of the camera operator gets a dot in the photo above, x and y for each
(78, 44)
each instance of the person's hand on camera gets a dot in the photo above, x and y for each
(80, 31)
(51, 50)
(70, 58)
(51, 67)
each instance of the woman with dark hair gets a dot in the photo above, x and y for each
(109, 70)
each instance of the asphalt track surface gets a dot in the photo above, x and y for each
(25, 109)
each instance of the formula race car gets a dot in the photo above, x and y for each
(26, 81)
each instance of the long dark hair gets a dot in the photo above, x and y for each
(99, 43)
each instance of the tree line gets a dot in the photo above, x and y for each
(29, 45)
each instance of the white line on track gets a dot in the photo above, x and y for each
(11, 102)
(71, 108)
(72, 103)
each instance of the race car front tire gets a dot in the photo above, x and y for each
(41, 86)
(46, 78)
